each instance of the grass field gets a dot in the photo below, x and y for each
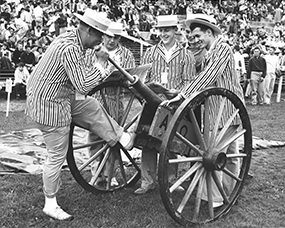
(261, 203)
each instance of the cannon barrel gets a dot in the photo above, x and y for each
(151, 97)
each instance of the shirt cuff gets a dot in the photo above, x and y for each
(182, 95)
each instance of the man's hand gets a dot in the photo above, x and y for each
(166, 103)
(102, 55)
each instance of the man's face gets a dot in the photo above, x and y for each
(270, 50)
(198, 38)
(95, 38)
(20, 47)
(256, 52)
(167, 34)
(110, 42)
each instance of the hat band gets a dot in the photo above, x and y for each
(166, 24)
(203, 19)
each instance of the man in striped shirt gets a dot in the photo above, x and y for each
(173, 66)
(219, 71)
(56, 95)
(125, 58)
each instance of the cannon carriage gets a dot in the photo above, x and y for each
(188, 136)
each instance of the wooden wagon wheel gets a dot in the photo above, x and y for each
(111, 168)
(204, 167)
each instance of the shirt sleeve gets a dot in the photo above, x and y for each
(189, 68)
(83, 77)
(214, 68)
(147, 59)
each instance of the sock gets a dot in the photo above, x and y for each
(50, 203)
(125, 139)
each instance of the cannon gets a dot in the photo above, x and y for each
(188, 135)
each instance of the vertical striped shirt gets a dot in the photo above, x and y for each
(64, 68)
(181, 65)
(219, 71)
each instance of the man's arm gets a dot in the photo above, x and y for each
(83, 79)
(211, 72)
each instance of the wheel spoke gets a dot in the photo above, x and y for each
(103, 94)
(186, 175)
(239, 155)
(117, 114)
(190, 190)
(101, 166)
(131, 159)
(185, 159)
(91, 159)
(110, 170)
(210, 193)
(229, 173)
(127, 110)
(198, 196)
(220, 187)
(228, 139)
(217, 122)
(226, 126)
(132, 121)
(197, 130)
(206, 128)
(188, 143)
(121, 165)
(94, 143)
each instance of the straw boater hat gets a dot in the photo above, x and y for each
(166, 21)
(95, 20)
(203, 19)
(117, 29)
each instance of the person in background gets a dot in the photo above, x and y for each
(272, 66)
(256, 73)
(57, 95)
(4, 51)
(16, 55)
(173, 66)
(28, 58)
(125, 58)
(239, 63)
(21, 75)
(218, 71)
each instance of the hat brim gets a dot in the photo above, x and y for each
(80, 17)
(216, 29)
(165, 26)
(134, 39)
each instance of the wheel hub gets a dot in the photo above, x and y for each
(214, 160)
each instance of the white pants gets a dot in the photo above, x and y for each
(269, 83)
(86, 113)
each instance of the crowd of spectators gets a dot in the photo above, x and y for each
(28, 27)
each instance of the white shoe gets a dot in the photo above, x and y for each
(217, 204)
(57, 213)
(114, 182)
(127, 140)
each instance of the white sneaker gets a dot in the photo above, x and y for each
(57, 213)
(217, 204)
(114, 182)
